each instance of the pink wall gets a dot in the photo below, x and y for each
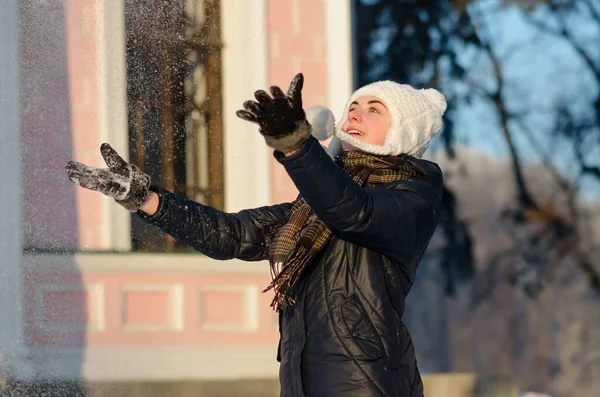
(83, 53)
(296, 43)
(49, 220)
(60, 75)
(145, 310)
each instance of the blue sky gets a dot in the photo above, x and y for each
(540, 71)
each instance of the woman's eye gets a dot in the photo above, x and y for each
(373, 110)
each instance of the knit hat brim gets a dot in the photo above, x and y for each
(416, 117)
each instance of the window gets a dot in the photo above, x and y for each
(174, 100)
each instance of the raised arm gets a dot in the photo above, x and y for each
(245, 235)
(393, 221)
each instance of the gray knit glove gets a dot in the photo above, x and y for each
(125, 183)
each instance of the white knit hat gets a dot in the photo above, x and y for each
(416, 117)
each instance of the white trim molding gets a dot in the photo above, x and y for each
(340, 65)
(145, 263)
(96, 291)
(158, 363)
(116, 221)
(244, 57)
(249, 306)
(175, 312)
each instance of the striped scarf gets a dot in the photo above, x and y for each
(304, 235)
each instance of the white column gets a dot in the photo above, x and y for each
(244, 57)
(340, 64)
(13, 350)
(116, 227)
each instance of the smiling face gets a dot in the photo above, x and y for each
(368, 121)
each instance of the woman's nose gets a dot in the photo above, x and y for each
(354, 115)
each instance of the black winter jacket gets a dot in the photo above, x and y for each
(345, 336)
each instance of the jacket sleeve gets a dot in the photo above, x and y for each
(244, 235)
(396, 222)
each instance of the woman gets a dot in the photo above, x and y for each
(344, 254)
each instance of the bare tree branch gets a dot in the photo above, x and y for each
(560, 181)
(565, 34)
(586, 168)
(524, 196)
(593, 11)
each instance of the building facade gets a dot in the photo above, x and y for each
(78, 298)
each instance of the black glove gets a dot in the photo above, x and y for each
(281, 119)
(125, 183)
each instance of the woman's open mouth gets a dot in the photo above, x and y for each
(355, 133)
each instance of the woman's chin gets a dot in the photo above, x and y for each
(347, 146)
